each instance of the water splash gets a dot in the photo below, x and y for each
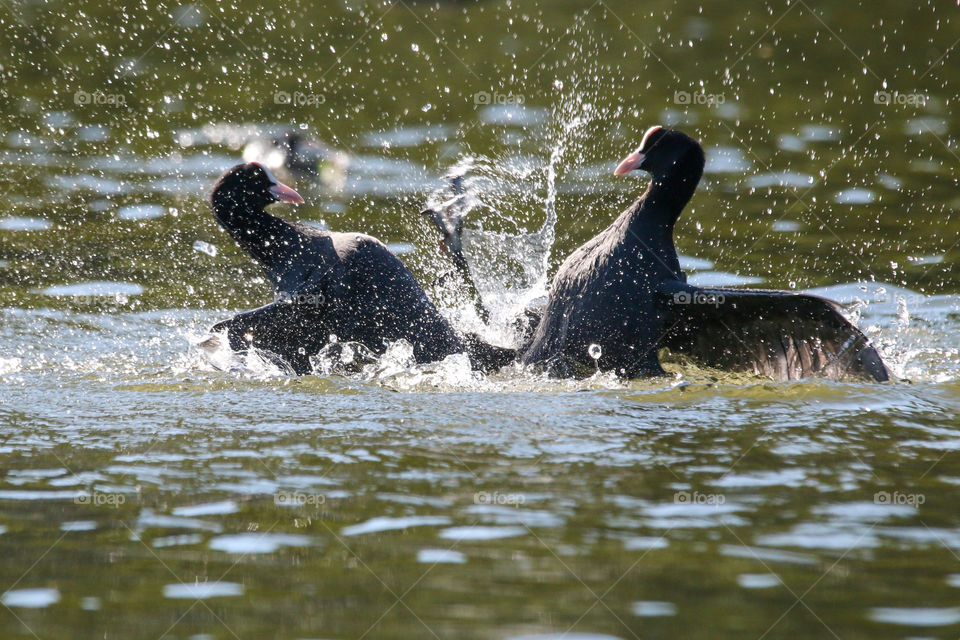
(216, 355)
(510, 207)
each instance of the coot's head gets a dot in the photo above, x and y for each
(252, 184)
(290, 141)
(661, 150)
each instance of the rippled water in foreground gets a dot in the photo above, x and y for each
(144, 491)
(149, 491)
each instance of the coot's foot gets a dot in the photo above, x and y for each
(447, 217)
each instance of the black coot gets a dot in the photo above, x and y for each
(624, 292)
(347, 284)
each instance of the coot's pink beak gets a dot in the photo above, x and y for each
(631, 162)
(283, 193)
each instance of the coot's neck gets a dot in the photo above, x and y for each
(238, 215)
(275, 244)
(650, 220)
(669, 191)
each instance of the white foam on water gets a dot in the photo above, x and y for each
(408, 136)
(758, 580)
(726, 160)
(257, 542)
(565, 635)
(18, 223)
(786, 226)
(29, 494)
(479, 532)
(37, 598)
(207, 509)
(653, 608)
(783, 179)
(202, 590)
(176, 541)
(98, 288)
(855, 195)
(440, 556)
(645, 542)
(141, 212)
(9, 365)
(205, 247)
(789, 142)
(721, 279)
(516, 115)
(690, 263)
(916, 616)
(819, 133)
(383, 523)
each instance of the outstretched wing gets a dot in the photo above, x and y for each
(780, 334)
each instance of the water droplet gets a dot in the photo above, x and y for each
(205, 247)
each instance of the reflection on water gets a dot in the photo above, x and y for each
(151, 488)
(264, 494)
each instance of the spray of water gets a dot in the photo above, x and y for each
(510, 207)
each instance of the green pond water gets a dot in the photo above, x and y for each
(151, 490)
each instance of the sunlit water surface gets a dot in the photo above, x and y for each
(152, 489)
